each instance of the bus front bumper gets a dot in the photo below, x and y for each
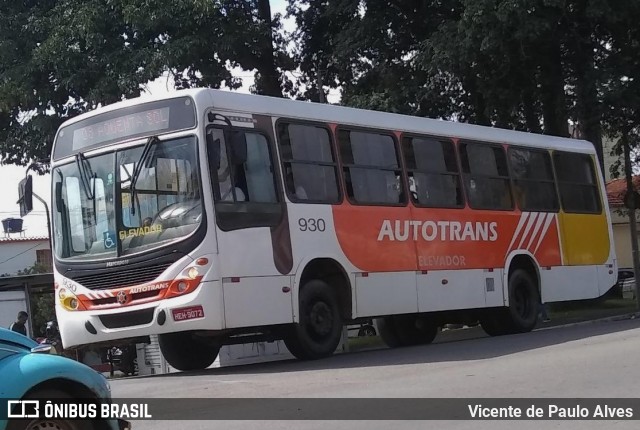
(199, 310)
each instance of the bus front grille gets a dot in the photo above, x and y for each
(127, 319)
(122, 277)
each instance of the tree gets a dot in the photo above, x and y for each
(63, 57)
(531, 65)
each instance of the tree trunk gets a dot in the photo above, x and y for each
(588, 107)
(268, 81)
(554, 110)
(478, 102)
(531, 118)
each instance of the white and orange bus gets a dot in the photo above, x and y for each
(212, 218)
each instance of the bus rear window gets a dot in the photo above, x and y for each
(577, 182)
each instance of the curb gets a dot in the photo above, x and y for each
(622, 317)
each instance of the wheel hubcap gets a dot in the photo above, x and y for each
(522, 301)
(320, 319)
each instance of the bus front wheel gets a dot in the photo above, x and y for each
(184, 351)
(319, 330)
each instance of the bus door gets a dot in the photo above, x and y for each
(248, 218)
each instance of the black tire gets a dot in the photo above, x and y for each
(387, 330)
(521, 315)
(495, 323)
(185, 352)
(49, 424)
(524, 302)
(406, 330)
(319, 330)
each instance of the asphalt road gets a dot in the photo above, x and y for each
(592, 360)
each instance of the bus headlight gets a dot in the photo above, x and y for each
(69, 301)
(193, 273)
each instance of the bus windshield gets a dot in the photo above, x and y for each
(95, 216)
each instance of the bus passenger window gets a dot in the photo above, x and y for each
(433, 172)
(577, 182)
(534, 185)
(310, 170)
(371, 168)
(486, 176)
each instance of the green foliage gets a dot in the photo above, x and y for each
(43, 309)
(61, 58)
(530, 65)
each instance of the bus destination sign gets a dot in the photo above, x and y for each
(121, 127)
(118, 125)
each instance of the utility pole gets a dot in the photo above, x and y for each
(630, 200)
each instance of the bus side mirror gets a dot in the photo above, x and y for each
(25, 195)
(214, 150)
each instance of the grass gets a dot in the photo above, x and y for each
(584, 310)
(365, 342)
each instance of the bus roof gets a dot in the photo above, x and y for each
(302, 110)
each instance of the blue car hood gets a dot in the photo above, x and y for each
(16, 338)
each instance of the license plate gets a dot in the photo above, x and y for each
(190, 313)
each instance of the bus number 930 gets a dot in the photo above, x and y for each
(311, 224)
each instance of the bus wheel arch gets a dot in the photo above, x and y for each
(524, 292)
(331, 272)
(324, 302)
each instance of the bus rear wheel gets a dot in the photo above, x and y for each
(406, 330)
(319, 330)
(184, 351)
(524, 302)
(521, 315)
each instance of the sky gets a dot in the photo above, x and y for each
(35, 223)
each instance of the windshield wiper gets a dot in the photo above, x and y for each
(86, 174)
(138, 169)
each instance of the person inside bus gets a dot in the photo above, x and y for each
(225, 185)
(300, 193)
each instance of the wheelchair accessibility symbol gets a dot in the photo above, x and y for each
(109, 241)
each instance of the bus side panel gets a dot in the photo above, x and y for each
(442, 290)
(585, 238)
(375, 238)
(389, 293)
(388, 284)
(267, 298)
(563, 283)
